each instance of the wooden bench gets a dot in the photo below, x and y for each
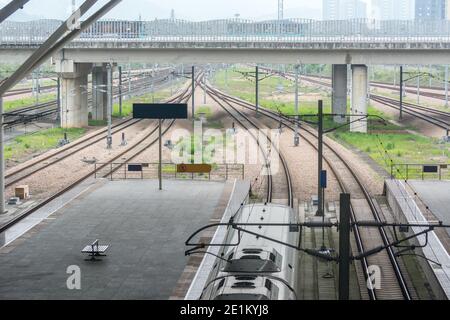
(95, 250)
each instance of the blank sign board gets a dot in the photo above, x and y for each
(430, 169)
(160, 111)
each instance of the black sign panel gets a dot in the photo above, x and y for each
(430, 169)
(135, 168)
(160, 111)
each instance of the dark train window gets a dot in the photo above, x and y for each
(243, 284)
(268, 285)
(221, 283)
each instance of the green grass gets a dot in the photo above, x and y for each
(384, 142)
(39, 142)
(25, 102)
(97, 123)
(238, 84)
(397, 148)
(205, 110)
(127, 105)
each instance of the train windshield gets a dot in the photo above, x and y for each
(241, 296)
(251, 264)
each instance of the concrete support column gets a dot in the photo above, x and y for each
(99, 92)
(74, 93)
(339, 94)
(359, 98)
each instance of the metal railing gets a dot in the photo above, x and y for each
(407, 171)
(124, 171)
(239, 30)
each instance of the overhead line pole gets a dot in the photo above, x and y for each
(344, 246)
(120, 90)
(257, 88)
(320, 194)
(109, 69)
(446, 85)
(193, 92)
(296, 136)
(401, 92)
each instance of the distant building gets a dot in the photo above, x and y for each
(447, 12)
(392, 9)
(430, 9)
(343, 9)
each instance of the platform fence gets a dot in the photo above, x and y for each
(407, 171)
(237, 30)
(141, 171)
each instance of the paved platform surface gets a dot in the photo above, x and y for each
(436, 195)
(145, 228)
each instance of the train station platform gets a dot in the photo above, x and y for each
(408, 201)
(436, 195)
(145, 229)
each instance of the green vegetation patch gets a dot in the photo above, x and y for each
(39, 142)
(26, 102)
(127, 105)
(97, 123)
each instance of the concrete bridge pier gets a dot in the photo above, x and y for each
(74, 93)
(99, 92)
(359, 98)
(339, 94)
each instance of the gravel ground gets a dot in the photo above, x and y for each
(65, 172)
(54, 178)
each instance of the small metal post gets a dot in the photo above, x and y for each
(401, 92)
(95, 170)
(320, 161)
(160, 155)
(120, 90)
(109, 106)
(344, 246)
(2, 162)
(193, 92)
(257, 88)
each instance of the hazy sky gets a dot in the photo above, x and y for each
(184, 9)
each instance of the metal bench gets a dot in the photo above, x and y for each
(95, 250)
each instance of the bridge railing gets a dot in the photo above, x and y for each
(292, 30)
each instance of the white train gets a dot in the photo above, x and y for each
(257, 268)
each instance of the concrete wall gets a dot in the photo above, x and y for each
(74, 93)
(339, 94)
(359, 98)
(263, 55)
(99, 92)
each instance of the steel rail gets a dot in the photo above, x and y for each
(392, 258)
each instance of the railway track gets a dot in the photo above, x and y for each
(130, 152)
(247, 123)
(48, 109)
(363, 208)
(377, 84)
(433, 116)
